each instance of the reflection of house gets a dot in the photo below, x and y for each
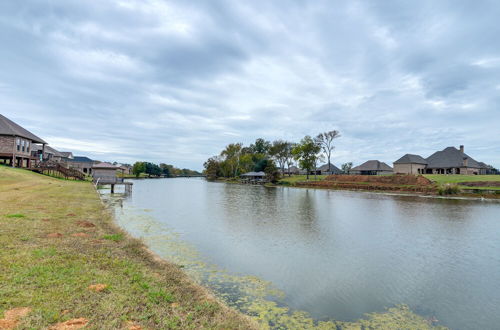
(447, 161)
(16, 144)
(372, 167)
(83, 164)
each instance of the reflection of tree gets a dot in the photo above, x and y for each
(306, 209)
(283, 212)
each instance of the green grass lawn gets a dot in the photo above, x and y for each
(57, 240)
(457, 178)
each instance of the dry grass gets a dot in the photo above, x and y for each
(48, 265)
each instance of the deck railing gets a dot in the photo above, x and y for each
(51, 167)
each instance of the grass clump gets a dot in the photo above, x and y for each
(448, 189)
(15, 215)
(114, 237)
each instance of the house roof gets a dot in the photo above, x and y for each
(52, 151)
(482, 165)
(48, 150)
(411, 159)
(333, 168)
(8, 127)
(254, 174)
(81, 159)
(105, 166)
(450, 157)
(66, 154)
(372, 165)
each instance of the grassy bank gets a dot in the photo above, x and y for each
(63, 258)
(457, 179)
(439, 181)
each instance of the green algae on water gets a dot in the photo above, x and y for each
(249, 294)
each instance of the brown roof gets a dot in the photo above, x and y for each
(105, 166)
(450, 157)
(411, 159)
(8, 127)
(372, 165)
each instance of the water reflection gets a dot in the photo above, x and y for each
(340, 254)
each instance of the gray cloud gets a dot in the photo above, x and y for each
(175, 81)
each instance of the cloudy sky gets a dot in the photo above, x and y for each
(175, 81)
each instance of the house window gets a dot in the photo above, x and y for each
(22, 145)
(27, 146)
(18, 142)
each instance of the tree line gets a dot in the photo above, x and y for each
(272, 157)
(161, 170)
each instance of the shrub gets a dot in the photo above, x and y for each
(448, 189)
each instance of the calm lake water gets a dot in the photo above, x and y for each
(334, 254)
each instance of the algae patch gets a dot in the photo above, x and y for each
(248, 294)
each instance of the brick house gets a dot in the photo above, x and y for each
(372, 167)
(447, 161)
(16, 144)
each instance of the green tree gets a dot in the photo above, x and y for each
(325, 141)
(212, 168)
(281, 151)
(346, 167)
(153, 169)
(231, 155)
(260, 146)
(307, 154)
(138, 168)
(272, 172)
(165, 169)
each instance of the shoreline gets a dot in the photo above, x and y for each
(305, 185)
(65, 259)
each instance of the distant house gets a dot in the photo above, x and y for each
(81, 163)
(372, 167)
(16, 144)
(323, 169)
(447, 161)
(410, 164)
(50, 153)
(124, 168)
(66, 155)
(292, 170)
(105, 173)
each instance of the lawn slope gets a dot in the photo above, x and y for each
(63, 259)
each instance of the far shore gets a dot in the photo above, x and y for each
(301, 181)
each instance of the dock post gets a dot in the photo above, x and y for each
(112, 188)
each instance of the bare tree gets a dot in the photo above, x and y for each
(325, 140)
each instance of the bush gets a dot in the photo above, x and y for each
(448, 189)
